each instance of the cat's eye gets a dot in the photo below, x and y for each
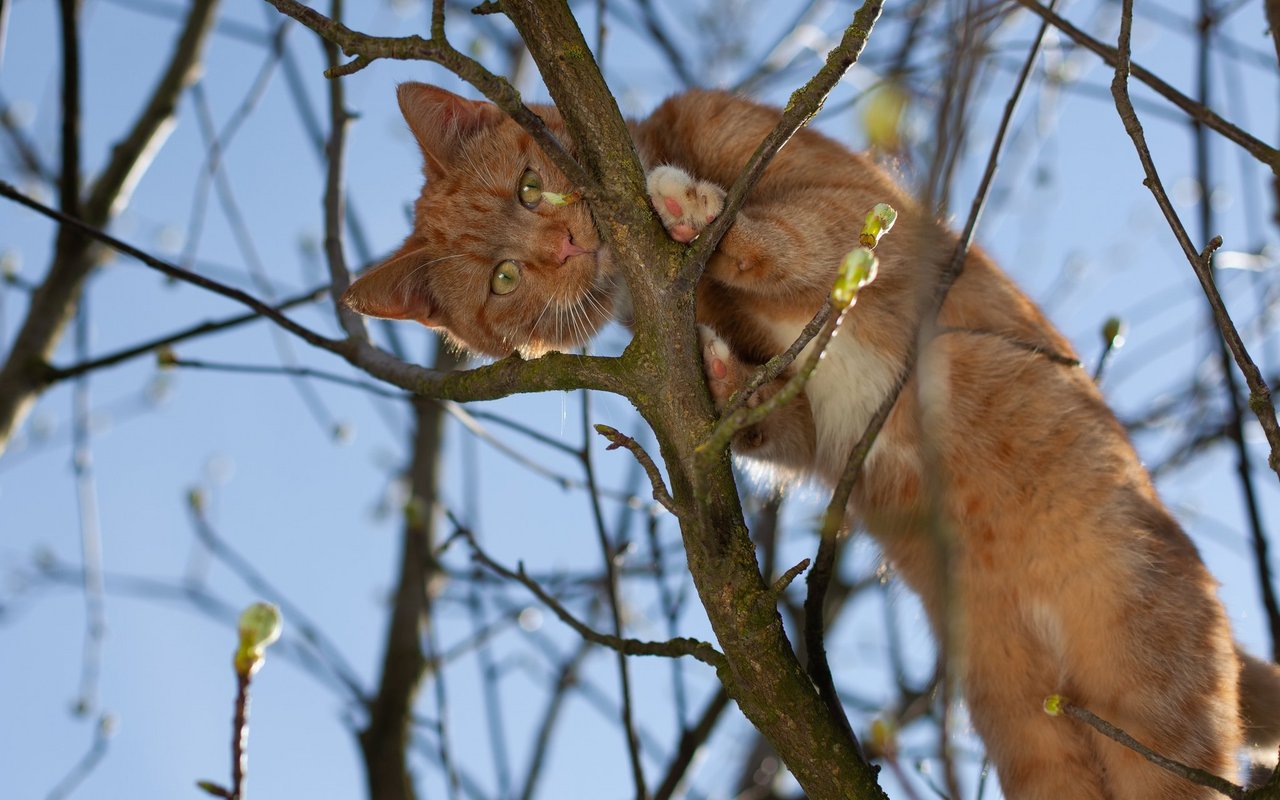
(506, 277)
(530, 192)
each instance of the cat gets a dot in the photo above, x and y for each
(1067, 574)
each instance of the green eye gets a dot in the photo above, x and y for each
(530, 192)
(506, 277)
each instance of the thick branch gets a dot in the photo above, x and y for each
(384, 740)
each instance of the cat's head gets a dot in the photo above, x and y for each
(491, 261)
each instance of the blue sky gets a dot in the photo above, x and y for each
(303, 506)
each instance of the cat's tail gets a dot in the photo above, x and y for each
(1260, 710)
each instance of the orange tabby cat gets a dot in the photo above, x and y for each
(1067, 574)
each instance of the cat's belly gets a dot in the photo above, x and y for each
(850, 383)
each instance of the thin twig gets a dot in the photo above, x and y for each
(1196, 776)
(607, 553)
(672, 648)
(334, 193)
(730, 424)
(1256, 147)
(1244, 467)
(654, 27)
(804, 103)
(27, 151)
(775, 366)
(102, 733)
(691, 742)
(291, 372)
(95, 610)
(202, 329)
(69, 171)
(240, 736)
(565, 679)
(1259, 393)
(618, 439)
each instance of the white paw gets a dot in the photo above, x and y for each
(722, 369)
(684, 204)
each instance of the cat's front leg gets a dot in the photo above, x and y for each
(685, 205)
(786, 437)
(748, 255)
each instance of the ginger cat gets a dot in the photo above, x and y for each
(1068, 575)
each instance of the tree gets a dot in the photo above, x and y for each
(951, 90)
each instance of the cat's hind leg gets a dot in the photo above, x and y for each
(1036, 757)
(1178, 712)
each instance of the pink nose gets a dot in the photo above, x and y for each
(568, 249)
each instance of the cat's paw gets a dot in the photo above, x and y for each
(725, 373)
(684, 204)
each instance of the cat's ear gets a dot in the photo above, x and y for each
(389, 291)
(442, 121)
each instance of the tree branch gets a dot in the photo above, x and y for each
(618, 439)
(508, 376)
(672, 648)
(1255, 147)
(1259, 393)
(368, 49)
(801, 107)
(22, 375)
(1054, 704)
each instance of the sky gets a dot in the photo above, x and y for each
(303, 489)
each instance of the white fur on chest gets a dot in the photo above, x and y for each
(846, 389)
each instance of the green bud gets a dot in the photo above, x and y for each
(259, 627)
(883, 738)
(1053, 705)
(195, 499)
(1113, 332)
(212, 788)
(166, 358)
(883, 116)
(557, 199)
(879, 221)
(856, 270)
(107, 725)
(415, 512)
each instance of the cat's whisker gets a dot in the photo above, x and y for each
(579, 325)
(408, 276)
(595, 301)
(533, 330)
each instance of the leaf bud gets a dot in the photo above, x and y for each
(856, 270)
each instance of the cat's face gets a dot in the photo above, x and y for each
(491, 260)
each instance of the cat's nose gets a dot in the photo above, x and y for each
(568, 249)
